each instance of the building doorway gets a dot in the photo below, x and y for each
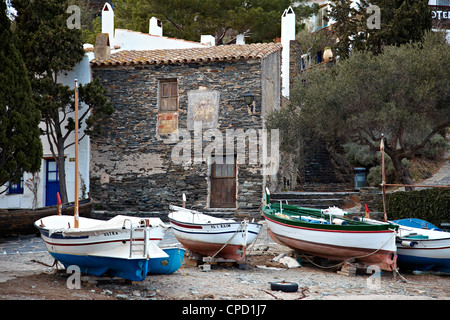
(223, 184)
(51, 182)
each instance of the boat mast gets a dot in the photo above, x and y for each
(383, 178)
(76, 214)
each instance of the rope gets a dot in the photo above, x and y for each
(347, 260)
(250, 249)
(243, 223)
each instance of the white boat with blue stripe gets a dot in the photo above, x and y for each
(121, 246)
(422, 246)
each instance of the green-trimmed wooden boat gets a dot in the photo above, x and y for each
(324, 234)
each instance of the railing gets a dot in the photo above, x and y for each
(132, 242)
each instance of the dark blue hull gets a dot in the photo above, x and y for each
(423, 264)
(131, 269)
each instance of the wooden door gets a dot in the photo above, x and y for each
(51, 182)
(223, 185)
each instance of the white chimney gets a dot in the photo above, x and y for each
(240, 39)
(108, 22)
(287, 34)
(208, 40)
(155, 27)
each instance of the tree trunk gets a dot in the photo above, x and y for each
(62, 173)
(401, 172)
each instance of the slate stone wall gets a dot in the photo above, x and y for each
(131, 165)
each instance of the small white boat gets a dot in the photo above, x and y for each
(211, 236)
(422, 249)
(121, 246)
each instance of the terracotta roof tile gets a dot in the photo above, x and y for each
(191, 55)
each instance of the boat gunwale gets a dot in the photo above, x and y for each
(350, 228)
(421, 240)
(189, 224)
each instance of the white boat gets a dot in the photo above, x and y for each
(422, 249)
(320, 233)
(212, 236)
(121, 246)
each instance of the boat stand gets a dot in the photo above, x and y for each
(348, 269)
(208, 263)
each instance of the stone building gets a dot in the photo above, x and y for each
(187, 121)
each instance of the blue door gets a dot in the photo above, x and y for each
(51, 183)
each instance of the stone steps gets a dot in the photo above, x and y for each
(319, 200)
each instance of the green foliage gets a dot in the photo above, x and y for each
(49, 47)
(437, 146)
(432, 205)
(401, 22)
(359, 155)
(363, 156)
(90, 21)
(259, 20)
(20, 144)
(94, 95)
(403, 93)
(46, 44)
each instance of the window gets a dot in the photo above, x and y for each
(168, 106)
(444, 3)
(321, 18)
(16, 188)
(168, 95)
(224, 170)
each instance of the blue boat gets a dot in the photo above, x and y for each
(416, 223)
(422, 246)
(167, 265)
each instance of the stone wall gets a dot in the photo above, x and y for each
(373, 197)
(131, 165)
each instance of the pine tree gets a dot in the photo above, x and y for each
(20, 144)
(258, 20)
(48, 48)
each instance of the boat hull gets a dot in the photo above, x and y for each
(98, 247)
(417, 261)
(428, 251)
(233, 252)
(130, 269)
(224, 238)
(167, 265)
(369, 247)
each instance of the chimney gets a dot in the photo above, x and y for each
(208, 40)
(240, 39)
(108, 21)
(287, 34)
(102, 50)
(155, 27)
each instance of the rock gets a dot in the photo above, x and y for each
(194, 290)
(108, 292)
(122, 297)
(290, 262)
(136, 293)
(277, 258)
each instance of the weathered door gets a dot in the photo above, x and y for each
(223, 185)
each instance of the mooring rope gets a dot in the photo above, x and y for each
(243, 224)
